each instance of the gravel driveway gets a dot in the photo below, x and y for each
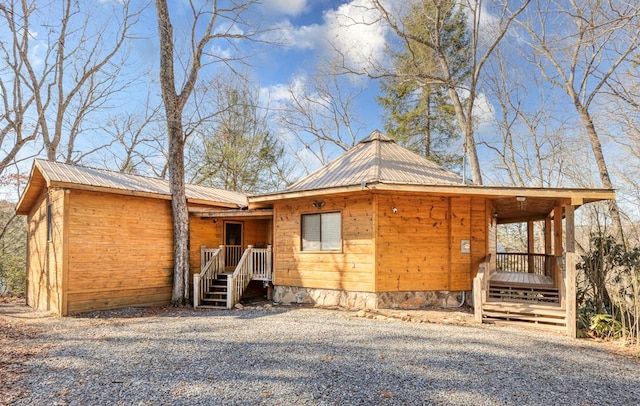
(307, 356)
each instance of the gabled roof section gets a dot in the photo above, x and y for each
(377, 159)
(56, 174)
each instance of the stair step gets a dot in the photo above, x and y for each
(215, 300)
(525, 317)
(212, 307)
(539, 326)
(524, 308)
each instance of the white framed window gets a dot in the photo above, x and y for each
(322, 232)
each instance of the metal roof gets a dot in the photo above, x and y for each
(56, 173)
(377, 159)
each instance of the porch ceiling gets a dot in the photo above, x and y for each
(511, 210)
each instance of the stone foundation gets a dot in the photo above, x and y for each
(366, 300)
(324, 297)
(417, 300)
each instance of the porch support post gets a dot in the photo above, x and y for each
(531, 248)
(557, 243)
(570, 271)
(548, 261)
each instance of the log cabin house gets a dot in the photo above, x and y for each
(379, 227)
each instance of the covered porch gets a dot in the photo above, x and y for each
(233, 249)
(537, 286)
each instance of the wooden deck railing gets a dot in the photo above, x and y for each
(232, 255)
(539, 264)
(261, 263)
(211, 264)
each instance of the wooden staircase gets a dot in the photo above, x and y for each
(522, 299)
(215, 288)
(215, 293)
(543, 316)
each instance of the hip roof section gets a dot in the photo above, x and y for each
(377, 159)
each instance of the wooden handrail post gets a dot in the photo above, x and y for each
(202, 257)
(223, 259)
(269, 262)
(196, 290)
(570, 293)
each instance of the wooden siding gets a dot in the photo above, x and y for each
(351, 269)
(203, 232)
(419, 246)
(120, 251)
(45, 271)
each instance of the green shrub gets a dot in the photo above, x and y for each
(605, 326)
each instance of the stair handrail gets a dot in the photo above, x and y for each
(239, 280)
(480, 285)
(211, 263)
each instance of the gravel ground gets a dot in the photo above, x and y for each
(308, 356)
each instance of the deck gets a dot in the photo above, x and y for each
(520, 279)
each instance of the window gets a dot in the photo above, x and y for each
(322, 232)
(49, 221)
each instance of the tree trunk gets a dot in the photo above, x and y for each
(469, 140)
(173, 105)
(180, 213)
(603, 171)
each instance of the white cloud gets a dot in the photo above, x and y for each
(37, 53)
(287, 7)
(357, 32)
(279, 94)
(353, 29)
(220, 53)
(303, 37)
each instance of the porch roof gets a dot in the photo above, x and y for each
(46, 174)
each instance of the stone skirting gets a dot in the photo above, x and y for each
(324, 297)
(365, 300)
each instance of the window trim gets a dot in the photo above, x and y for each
(303, 251)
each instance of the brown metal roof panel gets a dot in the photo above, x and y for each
(353, 167)
(217, 195)
(65, 173)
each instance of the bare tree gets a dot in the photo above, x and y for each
(485, 35)
(578, 47)
(529, 142)
(209, 22)
(138, 145)
(53, 87)
(320, 114)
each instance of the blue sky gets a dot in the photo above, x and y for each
(309, 32)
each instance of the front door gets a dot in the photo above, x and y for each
(233, 243)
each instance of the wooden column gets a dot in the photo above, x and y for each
(548, 260)
(557, 242)
(570, 271)
(547, 235)
(531, 246)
